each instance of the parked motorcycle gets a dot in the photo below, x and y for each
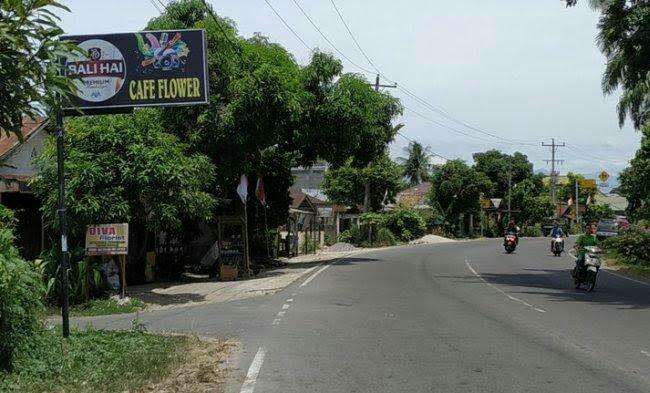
(557, 245)
(589, 273)
(510, 243)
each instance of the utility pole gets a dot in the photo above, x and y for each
(366, 196)
(509, 187)
(577, 205)
(553, 161)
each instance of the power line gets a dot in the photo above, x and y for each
(155, 5)
(414, 141)
(443, 125)
(309, 48)
(354, 39)
(302, 10)
(422, 101)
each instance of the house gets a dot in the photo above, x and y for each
(414, 197)
(16, 169)
(616, 202)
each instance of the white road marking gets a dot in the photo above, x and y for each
(289, 300)
(281, 313)
(307, 281)
(253, 372)
(285, 306)
(276, 321)
(619, 275)
(645, 353)
(502, 291)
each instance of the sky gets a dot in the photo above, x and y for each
(524, 71)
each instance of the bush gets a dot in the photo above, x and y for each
(21, 293)
(533, 230)
(632, 245)
(352, 236)
(385, 238)
(406, 224)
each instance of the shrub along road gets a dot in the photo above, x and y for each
(454, 317)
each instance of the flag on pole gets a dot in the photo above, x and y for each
(242, 188)
(570, 202)
(589, 201)
(259, 191)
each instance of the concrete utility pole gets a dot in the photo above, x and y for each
(366, 196)
(553, 161)
(509, 187)
(577, 205)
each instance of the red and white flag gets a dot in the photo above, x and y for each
(242, 188)
(259, 191)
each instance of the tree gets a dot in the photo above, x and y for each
(624, 39)
(265, 108)
(29, 71)
(456, 189)
(345, 185)
(125, 168)
(635, 180)
(496, 165)
(595, 213)
(568, 190)
(530, 205)
(417, 165)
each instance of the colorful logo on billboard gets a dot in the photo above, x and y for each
(98, 71)
(162, 54)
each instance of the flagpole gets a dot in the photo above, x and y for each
(266, 233)
(247, 262)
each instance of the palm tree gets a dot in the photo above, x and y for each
(417, 165)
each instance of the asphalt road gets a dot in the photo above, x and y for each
(459, 317)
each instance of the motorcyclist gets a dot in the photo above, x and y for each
(511, 229)
(556, 232)
(587, 240)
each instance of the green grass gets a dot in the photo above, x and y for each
(93, 361)
(97, 307)
(638, 270)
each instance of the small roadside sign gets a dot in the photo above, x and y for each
(603, 176)
(107, 239)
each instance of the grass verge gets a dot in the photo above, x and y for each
(615, 262)
(98, 361)
(98, 307)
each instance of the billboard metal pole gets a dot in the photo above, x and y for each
(64, 262)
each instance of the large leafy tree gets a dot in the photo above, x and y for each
(529, 203)
(624, 39)
(496, 166)
(417, 164)
(635, 180)
(29, 71)
(125, 168)
(345, 184)
(456, 188)
(265, 108)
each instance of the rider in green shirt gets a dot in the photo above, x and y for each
(586, 240)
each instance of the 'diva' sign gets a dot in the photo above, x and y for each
(149, 68)
(107, 239)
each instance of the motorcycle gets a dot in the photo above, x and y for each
(589, 273)
(557, 245)
(510, 243)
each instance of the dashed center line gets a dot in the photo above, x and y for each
(253, 372)
(285, 306)
(502, 291)
(289, 300)
(281, 313)
(645, 353)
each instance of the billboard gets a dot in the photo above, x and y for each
(107, 239)
(114, 72)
